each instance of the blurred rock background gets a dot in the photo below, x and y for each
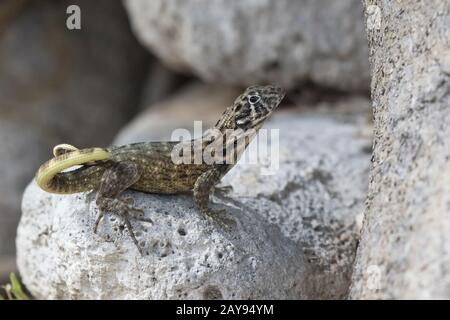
(288, 42)
(139, 69)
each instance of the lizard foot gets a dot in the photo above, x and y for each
(224, 189)
(130, 230)
(122, 209)
(215, 217)
(100, 216)
(137, 213)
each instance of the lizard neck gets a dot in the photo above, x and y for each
(229, 143)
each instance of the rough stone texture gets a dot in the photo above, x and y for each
(187, 257)
(53, 82)
(245, 42)
(405, 247)
(293, 234)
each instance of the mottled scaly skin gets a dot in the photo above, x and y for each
(154, 163)
(148, 166)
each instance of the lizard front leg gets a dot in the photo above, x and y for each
(114, 181)
(202, 187)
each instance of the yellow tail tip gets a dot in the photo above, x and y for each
(56, 165)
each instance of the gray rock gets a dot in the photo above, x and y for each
(292, 234)
(405, 247)
(59, 86)
(246, 42)
(187, 257)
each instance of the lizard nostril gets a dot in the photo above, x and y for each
(277, 90)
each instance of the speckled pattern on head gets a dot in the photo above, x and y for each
(251, 108)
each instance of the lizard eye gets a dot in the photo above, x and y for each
(254, 99)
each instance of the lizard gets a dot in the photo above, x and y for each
(149, 166)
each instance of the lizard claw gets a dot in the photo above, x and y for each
(148, 220)
(128, 200)
(100, 215)
(129, 205)
(214, 216)
(134, 209)
(138, 214)
(130, 208)
(224, 189)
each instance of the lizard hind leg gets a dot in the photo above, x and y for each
(114, 181)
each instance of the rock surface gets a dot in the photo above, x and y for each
(292, 234)
(246, 42)
(186, 256)
(53, 82)
(404, 252)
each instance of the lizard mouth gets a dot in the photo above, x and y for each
(276, 92)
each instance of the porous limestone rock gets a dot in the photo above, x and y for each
(186, 257)
(404, 252)
(246, 42)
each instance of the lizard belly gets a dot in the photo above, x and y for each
(169, 180)
(158, 173)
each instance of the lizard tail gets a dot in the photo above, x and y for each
(51, 169)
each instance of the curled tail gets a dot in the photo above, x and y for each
(50, 177)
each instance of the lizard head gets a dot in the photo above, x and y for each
(251, 108)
